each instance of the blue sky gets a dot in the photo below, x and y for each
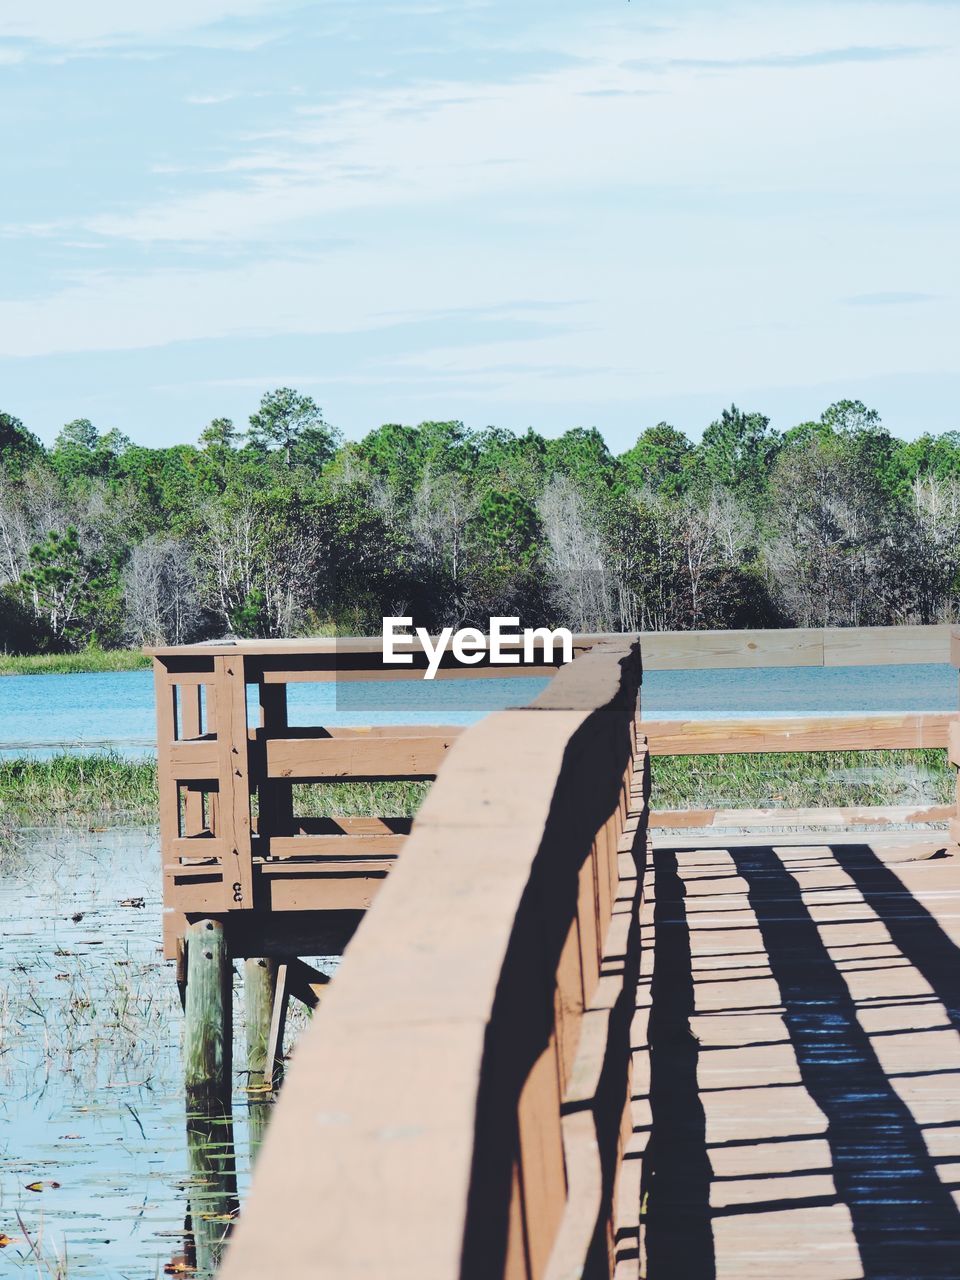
(528, 213)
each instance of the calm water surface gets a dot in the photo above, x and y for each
(40, 714)
(94, 1150)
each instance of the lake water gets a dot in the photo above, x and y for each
(41, 714)
(96, 1153)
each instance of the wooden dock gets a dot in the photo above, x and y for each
(799, 1111)
(556, 1049)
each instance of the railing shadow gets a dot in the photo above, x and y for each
(914, 931)
(677, 1172)
(905, 1222)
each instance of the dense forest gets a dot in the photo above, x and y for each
(284, 529)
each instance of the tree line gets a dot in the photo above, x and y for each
(285, 529)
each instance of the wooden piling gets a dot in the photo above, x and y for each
(208, 1025)
(259, 989)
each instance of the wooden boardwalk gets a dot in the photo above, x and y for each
(798, 1110)
(550, 1053)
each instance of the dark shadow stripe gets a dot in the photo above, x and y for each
(911, 926)
(904, 1220)
(677, 1172)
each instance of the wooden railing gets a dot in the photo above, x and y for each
(830, 647)
(234, 846)
(460, 1105)
(459, 1108)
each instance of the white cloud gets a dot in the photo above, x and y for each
(109, 22)
(607, 122)
(710, 224)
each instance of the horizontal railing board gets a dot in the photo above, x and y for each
(797, 733)
(331, 646)
(413, 756)
(344, 867)
(361, 657)
(331, 675)
(320, 892)
(353, 826)
(344, 846)
(859, 816)
(795, 647)
(194, 759)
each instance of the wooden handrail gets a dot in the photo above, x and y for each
(662, 650)
(459, 1106)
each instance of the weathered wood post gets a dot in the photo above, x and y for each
(259, 991)
(208, 1023)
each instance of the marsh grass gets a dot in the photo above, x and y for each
(64, 787)
(802, 780)
(70, 788)
(83, 788)
(358, 799)
(45, 664)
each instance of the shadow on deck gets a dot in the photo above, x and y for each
(804, 1100)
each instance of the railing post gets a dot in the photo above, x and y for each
(230, 695)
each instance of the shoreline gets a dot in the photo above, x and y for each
(86, 662)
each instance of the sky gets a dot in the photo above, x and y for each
(580, 213)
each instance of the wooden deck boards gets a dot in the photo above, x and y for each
(798, 1111)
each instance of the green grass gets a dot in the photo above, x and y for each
(44, 664)
(82, 788)
(358, 799)
(34, 792)
(802, 780)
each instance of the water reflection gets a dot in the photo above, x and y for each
(212, 1199)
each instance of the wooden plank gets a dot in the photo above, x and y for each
(196, 847)
(329, 868)
(328, 675)
(662, 650)
(353, 826)
(322, 893)
(350, 733)
(195, 761)
(413, 756)
(704, 650)
(797, 733)
(865, 815)
(197, 896)
(169, 800)
(184, 871)
(344, 846)
(885, 646)
(309, 646)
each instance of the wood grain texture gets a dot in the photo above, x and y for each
(801, 1061)
(413, 756)
(854, 816)
(662, 650)
(230, 696)
(797, 733)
